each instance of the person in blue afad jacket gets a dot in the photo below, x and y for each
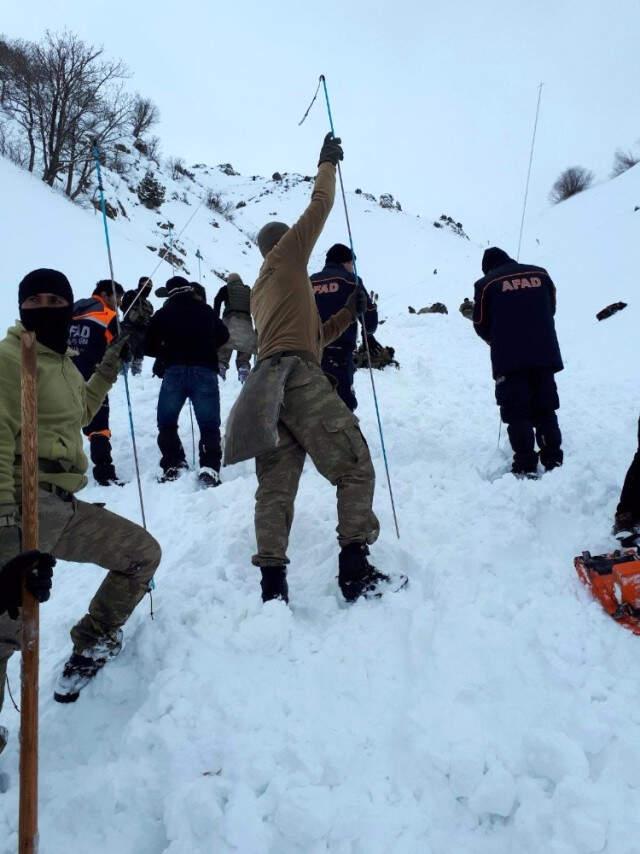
(332, 287)
(515, 306)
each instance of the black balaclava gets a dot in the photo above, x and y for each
(51, 325)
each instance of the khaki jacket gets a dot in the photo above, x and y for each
(282, 301)
(66, 403)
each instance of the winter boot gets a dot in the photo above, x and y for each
(80, 669)
(208, 477)
(274, 583)
(356, 576)
(243, 373)
(172, 473)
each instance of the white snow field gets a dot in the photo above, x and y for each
(490, 707)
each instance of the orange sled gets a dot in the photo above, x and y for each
(614, 580)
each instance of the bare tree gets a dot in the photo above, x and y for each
(573, 180)
(65, 95)
(144, 115)
(20, 81)
(623, 161)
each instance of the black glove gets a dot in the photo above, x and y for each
(331, 150)
(37, 569)
(357, 302)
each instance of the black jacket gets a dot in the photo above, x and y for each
(514, 311)
(332, 287)
(185, 331)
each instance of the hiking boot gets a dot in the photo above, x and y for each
(81, 669)
(208, 477)
(109, 481)
(274, 583)
(171, 473)
(243, 373)
(356, 576)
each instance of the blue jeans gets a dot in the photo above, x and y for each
(200, 386)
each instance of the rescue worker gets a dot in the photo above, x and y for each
(69, 529)
(466, 308)
(184, 337)
(138, 311)
(93, 328)
(236, 298)
(332, 287)
(289, 400)
(514, 311)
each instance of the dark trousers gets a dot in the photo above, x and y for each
(338, 363)
(200, 386)
(630, 495)
(99, 435)
(528, 401)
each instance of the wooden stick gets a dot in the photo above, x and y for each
(28, 822)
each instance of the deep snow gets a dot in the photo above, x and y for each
(490, 707)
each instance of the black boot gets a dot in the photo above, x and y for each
(356, 576)
(81, 669)
(274, 583)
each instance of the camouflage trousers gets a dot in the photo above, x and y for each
(242, 339)
(313, 421)
(87, 533)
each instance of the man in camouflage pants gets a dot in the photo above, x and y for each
(69, 529)
(313, 420)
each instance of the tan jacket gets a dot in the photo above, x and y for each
(282, 301)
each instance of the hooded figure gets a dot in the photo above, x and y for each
(69, 529)
(514, 310)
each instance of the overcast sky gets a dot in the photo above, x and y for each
(434, 101)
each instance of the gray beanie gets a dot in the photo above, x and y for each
(269, 235)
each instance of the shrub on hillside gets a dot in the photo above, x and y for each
(216, 203)
(150, 191)
(623, 161)
(572, 181)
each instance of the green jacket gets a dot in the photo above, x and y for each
(66, 403)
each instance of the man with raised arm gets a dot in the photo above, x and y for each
(290, 396)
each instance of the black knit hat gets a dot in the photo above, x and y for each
(176, 283)
(493, 258)
(45, 281)
(339, 254)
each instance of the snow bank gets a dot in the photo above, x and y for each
(490, 707)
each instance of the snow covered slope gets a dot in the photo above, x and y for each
(490, 707)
